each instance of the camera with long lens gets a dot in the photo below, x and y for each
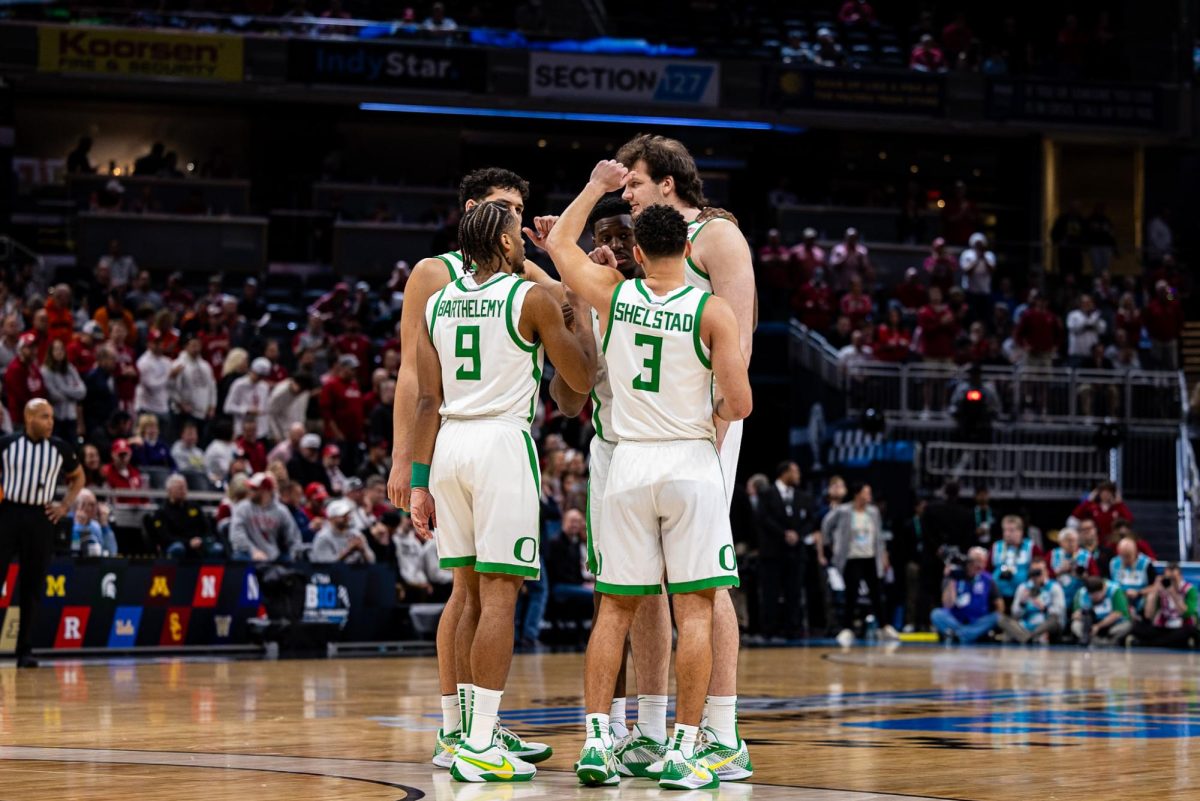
(1166, 582)
(956, 560)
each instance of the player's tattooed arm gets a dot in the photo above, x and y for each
(426, 421)
(542, 318)
(719, 328)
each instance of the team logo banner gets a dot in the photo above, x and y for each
(624, 79)
(125, 627)
(142, 54)
(72, 626)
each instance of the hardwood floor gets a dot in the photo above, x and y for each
(985, 724)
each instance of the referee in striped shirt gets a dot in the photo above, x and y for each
(30, 465)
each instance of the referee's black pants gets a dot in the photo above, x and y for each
(26, 532)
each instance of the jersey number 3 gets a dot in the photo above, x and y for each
(647, 381)
(466, 346)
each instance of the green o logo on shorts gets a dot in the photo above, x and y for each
(727, 557)
(521, 548)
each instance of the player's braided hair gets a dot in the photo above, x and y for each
(479, 233)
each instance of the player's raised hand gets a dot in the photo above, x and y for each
(541, 229)
(424, 513)
(610, 175)
(604, 255)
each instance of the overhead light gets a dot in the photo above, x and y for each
(575, 116)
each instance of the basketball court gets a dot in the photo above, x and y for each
(865, 724)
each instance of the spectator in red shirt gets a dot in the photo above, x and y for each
(775, 259)
(813, 302)
(855, 304)
(957, 35)
(893, 341)
(938, 329)
(1103, 506)
(911, 293)
(808, 256)
(850, 259)
(940, 267)
(255, 449)
(176, 296)
(121, 474)
(278, 371)
(334, 304)
(168, 334)
(354, 343)
(342, 403)
(1164, 324)
(856, 12)
(1038, 332)
(23, 378)
(216, 340)
(927, 56)
(1128, 318)
(60, 316)
(125, 374)
(81, 351)
(960, 217)
(40, 328)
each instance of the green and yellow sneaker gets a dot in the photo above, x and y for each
(597, 765)
(447, 744)
(493, 764)
(730, 763)
(525, 750)
(681, 773)
(639, 752)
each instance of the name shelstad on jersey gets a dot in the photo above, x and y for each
(660, 319)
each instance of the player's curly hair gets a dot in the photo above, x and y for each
(660, 231)
(479, 233)
(478, 184)
(609, 206)
(663, 157)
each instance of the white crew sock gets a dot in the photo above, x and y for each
(684, 740)
(616, 719)
(652, 717)
(485, 708)
(464, 707)
(721, 714)
(596, 727)
(451, 715)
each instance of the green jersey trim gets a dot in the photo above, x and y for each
(533, 463)
(537, 383)
(628, 589)
(508, 319)
(508, 570)
(456, 561)
(460, 282)
(436, 305)
(641, 287)
(697, 270)
(591, 532)
(701, 584)
(445, 259)
(612, 312)
(704, 360)
(596, 424)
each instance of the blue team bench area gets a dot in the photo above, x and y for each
(101, 605)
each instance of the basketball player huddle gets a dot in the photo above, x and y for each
(655, 327)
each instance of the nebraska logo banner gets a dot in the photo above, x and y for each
(142, 54)
(208, 586)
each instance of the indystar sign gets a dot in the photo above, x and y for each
(116, 51)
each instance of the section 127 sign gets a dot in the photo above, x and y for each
(380, 64)
(624, 80)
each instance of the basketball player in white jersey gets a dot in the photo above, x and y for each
(429, 277)
(664, 509)
(612, 234)
(719, 261)
(476, 480)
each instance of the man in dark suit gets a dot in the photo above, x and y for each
(786, 514)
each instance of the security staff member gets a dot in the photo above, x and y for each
(30, 465)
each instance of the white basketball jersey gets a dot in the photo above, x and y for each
(693, 275)
(658, 368)
(454, 263)
(602, 397)
(488, 368)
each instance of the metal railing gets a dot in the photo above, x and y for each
(1015, 471)
(922, 390)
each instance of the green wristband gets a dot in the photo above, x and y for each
(420, 476)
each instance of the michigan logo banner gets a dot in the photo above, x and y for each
(141, 54)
